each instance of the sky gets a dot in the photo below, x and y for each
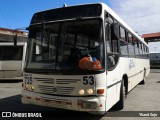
(141, 15)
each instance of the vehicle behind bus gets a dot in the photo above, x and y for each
(12, 60)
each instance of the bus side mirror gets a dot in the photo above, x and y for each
(15, 40)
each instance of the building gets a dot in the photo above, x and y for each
(151, 37)
(11, 57)
(7, 35)
(154, 56)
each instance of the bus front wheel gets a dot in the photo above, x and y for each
(120, 104)
(144, 78)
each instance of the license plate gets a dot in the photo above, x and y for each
(89, 105)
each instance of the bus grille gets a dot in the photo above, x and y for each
(56, 86)
(66, 81)
(59, 90)
(45, 80)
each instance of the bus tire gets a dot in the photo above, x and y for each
(144, 78)
(120, 104)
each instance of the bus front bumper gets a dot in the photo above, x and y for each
(89, 104)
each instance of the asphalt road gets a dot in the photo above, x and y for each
(142, 99)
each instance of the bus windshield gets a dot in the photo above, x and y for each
(61, 45)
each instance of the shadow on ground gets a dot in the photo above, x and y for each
(10, 81)
(13, 104)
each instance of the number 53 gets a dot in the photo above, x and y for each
(88, 80)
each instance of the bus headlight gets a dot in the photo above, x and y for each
(32, 87)
(81, 92)
(90, 91)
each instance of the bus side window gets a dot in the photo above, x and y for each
(114, 38)
(135, 45)
(123, 42)
(130, 44)
(110, 59)
(108, 39)
(112, 44)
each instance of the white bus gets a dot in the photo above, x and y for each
(12, 60)
(82, 58)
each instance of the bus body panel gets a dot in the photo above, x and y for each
(134, 70)
(135, 75)
(113, 86)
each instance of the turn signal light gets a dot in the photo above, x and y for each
(27, 86)
(100, 91)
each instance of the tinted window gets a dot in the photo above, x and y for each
(131, 49)
(130, 38)
(112, 34)
(123, 43)
(123, 47)
(135, 41)
(61, 46)
(122, 34)
(68, 13)
(136, 51)
(130, 45)
(108, 39)
(140, 48)
(114, 40)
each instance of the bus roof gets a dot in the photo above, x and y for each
(110, 11)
